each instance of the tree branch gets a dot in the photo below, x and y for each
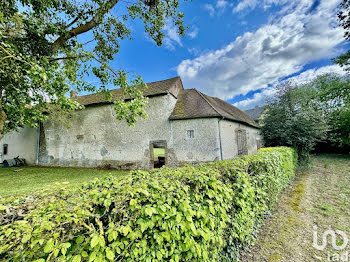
(63, 58)
(96, 20)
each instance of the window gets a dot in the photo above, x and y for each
(5, 149)
(190, 133)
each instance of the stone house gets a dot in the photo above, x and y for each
(184, 126)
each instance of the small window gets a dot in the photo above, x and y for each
(190, 133)
(5, 149)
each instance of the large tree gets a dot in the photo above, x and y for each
(333, 94)
(44, 53)
(294, 119)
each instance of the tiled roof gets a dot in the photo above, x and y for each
(172, 86)
(193, 104)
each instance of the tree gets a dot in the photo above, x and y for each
(294, 120)
(43, 56)
(344, 19)
(333, 92)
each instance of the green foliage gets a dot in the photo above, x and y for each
(295, 120)
(202, 213)
(344, 19)
(333, 93)
(42, 56)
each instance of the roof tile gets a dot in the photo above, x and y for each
(172, 86)
(193, 104)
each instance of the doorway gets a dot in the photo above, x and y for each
(158, 150)
(242, 147)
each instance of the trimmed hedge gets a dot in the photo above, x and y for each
(203, 213)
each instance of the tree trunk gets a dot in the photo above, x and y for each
(2, 117)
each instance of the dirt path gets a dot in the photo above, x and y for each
(319, 197)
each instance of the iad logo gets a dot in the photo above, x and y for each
(333, 235)
(334, 256)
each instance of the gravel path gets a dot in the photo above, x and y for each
(319, 197)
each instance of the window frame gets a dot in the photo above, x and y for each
(190, 134)
(5, 149)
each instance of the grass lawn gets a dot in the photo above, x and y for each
(318, 197)
(158, 152)
(31, 179)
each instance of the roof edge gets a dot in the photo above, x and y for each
(206, 100)
(126, 99)
(215, 116)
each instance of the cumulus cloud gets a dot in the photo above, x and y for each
(311, 74)
(258, 99)
(258, 59)
(268, 94)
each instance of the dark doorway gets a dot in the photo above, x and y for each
(158, 151)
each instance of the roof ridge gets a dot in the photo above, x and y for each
(202, 95)
(114, 89)
(229, 104)
(164, 80)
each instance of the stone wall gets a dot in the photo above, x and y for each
(229, 138)
(96, 138)
(202, 147)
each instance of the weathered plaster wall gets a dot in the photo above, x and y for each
(97, 138)
(21, 143)
(203, 147)
(229, 138)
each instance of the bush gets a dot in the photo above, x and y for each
(203, 213)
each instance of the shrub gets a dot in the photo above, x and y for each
(202, 213)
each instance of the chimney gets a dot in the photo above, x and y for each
(73, 94)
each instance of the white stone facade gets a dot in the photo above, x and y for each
(96, 138)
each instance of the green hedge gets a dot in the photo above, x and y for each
(203, 213)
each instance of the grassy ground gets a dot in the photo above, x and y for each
(30, 179)
(318, 197)
(158, 152)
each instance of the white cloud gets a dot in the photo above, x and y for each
(258, 99)
(172, 38)
(210, 8)
(268, 94)
(217, 8)
(278, 49)
(311, 74)
(252, 4)
(193, 34)
(222, 4)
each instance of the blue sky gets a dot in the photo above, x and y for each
(240, 50)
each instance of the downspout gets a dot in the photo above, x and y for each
(221, 156)
(37, 145)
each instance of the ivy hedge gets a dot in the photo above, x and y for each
(203, 213)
